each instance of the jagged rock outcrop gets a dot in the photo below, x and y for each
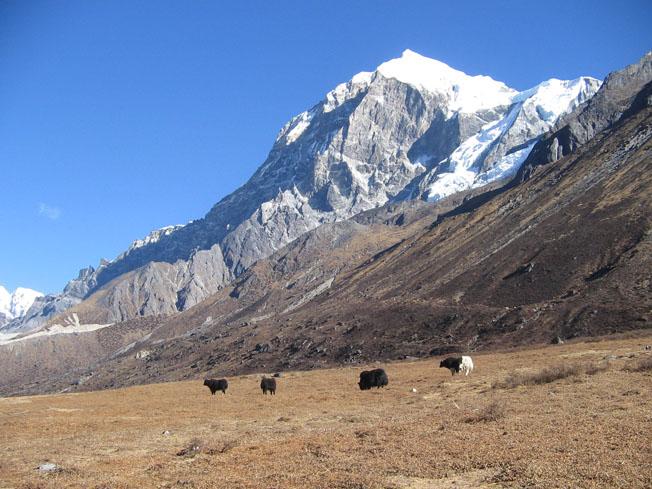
(82, 285)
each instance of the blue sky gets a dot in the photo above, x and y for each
(120, 117)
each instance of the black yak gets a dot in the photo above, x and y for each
(373, 378)
(216, 385)
(268, 384)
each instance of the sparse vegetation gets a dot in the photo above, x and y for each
(548, 375)
(493, 411)
(193, 448)
(595, 368)
(643, 365)
(321, 431)
(543, 376)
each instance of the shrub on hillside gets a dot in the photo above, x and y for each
(491, 412)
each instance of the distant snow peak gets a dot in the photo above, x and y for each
(15, 305)
(554, 98)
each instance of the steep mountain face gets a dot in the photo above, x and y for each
(609, 104)
(44, 307)
(562, 250)
(413, 128)
(16, 304)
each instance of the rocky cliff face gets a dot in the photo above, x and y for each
(413, 128)
(610, 102)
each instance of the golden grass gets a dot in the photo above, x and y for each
(321, 431)
(643, 365)
(550, 374)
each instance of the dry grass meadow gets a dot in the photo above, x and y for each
(496, 428)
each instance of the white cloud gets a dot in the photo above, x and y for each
(51, 212)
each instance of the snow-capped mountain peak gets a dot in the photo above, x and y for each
(413, 128)
(467, 93)
(15, 305)
(346, 91)
(554, 97)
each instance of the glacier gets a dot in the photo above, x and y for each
(532, 113)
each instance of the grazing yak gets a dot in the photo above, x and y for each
(216, 385)
(373, 378)
(457, 364)
(268, 384)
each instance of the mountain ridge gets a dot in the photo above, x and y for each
(363, 145)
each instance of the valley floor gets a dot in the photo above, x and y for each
(590, 428)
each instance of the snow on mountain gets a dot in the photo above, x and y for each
(413, 128)
(15, 305)
(71, 325)
(500, 147)
(154, 236)
(465, 93)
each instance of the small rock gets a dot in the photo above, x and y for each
(142, 354)
(48, 467)
(413, 390)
